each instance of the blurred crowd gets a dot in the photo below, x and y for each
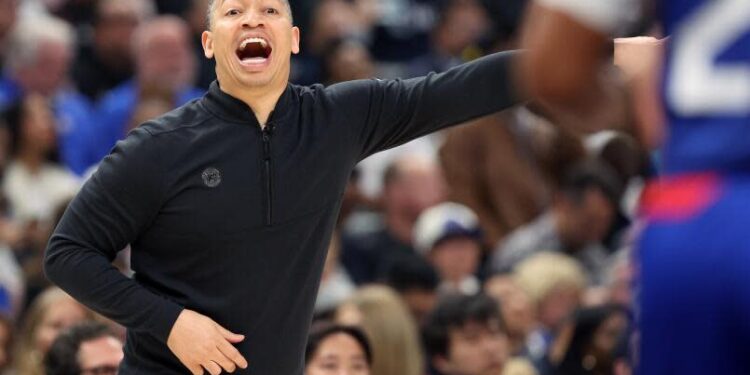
(502, 246)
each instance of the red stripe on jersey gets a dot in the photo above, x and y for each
(680, 197)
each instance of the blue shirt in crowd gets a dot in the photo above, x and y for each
(117, 108)
(74, 114)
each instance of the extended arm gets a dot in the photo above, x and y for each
(385, 113)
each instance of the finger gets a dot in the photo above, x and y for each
(196, 370)
(233, 354)
(223, 361)
(232, 337)
(212, 368)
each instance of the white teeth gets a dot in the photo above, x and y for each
(254, 60)
(263, 42)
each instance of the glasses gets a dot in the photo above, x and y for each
(101, 370)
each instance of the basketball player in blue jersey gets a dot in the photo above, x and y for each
(694, 303)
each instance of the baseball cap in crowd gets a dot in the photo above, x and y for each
(444, 221)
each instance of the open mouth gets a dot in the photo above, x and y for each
(254, 51)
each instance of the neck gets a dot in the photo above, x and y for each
(262, 100)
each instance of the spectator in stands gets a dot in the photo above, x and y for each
(38, 61)
(390, 328)
(6, 340)
(51, 312)
(87, 349)
(12, 282)
(448, 235)
(150, 105)
(337, 350)
(78, 13)
(416, 281)
(108, 60)
(586, 345)
(619, 280)
(622, 356)
(455, 38)
(347, 60)
(335, 283)
(519, 366)
(327, 22)
(164, 64)
(172, 6)
(334, 20)
(578, 220)
(401, 31)
(8, 15)
(555, 283)
(630, 162)
(373, 169)
(355, 201)
(5, 303)
(411, 184)
(465, 335)
(197, 21)
(516, 309)
(513, 156)
(34, 183)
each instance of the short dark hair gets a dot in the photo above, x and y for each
(454, 311)
(13, 118)
(586, 322)
(62, 357)
(407, 273)
(591, 173)
(320, 332)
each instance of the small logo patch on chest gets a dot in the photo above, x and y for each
(211, 177)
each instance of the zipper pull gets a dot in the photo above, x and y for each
(266, 135)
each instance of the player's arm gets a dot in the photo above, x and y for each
(569, 45)
(563, 56)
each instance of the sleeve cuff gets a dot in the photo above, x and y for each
(163, 323)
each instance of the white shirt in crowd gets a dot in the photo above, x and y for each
(36, 196)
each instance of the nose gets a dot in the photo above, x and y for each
(252, 20)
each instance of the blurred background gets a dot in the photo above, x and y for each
(497, 247)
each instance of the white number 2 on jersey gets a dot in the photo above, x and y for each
(697, 85)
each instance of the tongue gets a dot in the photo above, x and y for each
(253, 50)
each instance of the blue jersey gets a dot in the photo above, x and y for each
(694, 266)
(706, 87)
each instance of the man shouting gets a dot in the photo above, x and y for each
(229, 202)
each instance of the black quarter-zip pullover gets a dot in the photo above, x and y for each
(233, 221)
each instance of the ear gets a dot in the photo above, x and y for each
(295, 40)
(208, 44)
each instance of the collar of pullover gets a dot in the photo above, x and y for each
(231, 109)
